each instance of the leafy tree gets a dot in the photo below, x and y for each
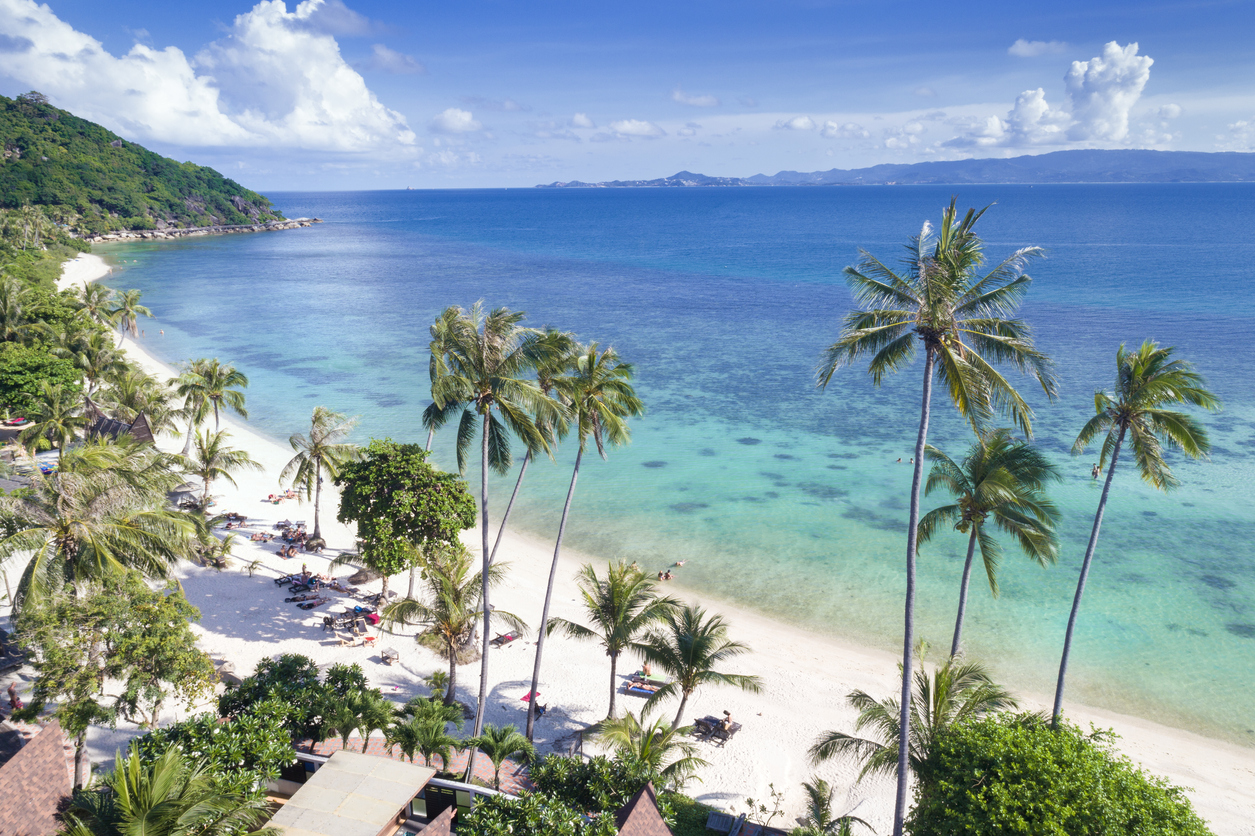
(324, 450)
(126, 313)
(171, 795)
(432, 708)
(291, 680)
(24, 370)
(600, 396)
(533, 814)
(599, 784)
(621, 607)
(212, 458)
(688, 646)
(15, 302)
(1001, 480)
(500, 743)
(1014, 774)
(94, 355)
(400, 502)
(964, 320)
(1147, 381)
(665, 750)
(956, 692)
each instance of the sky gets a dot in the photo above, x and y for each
(361, 94)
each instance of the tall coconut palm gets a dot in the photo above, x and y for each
(956, 692)
(221, 387)
(171, 795)
(621, 607)
(1147, 381)
(104, 509)
(965, 322)
(487, 356)
(96, 358)
(600, 396)
(56, 416)
(97, 304)
(212, 458)
(190, 386)
(664, 748)
(15, 300)
(135, 391)
(126, 313)
(1002, 481)
(324, 450)
(437, 413)
(687, 647)
(452, 604)
(500, 743)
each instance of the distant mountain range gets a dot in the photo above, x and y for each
(1089, 166)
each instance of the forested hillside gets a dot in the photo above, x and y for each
(92, 180)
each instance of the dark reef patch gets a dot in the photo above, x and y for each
(653, 464)
(749, 439)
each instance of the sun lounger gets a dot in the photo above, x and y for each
(503, 639)
(650, 679)
(638, 689)
(345, 640)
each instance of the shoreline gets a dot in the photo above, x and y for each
(806, 675)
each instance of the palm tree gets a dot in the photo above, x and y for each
(601, 398)
(97, 304)
(454, 602)
(621, 607)
(126, 313)
(424, 735)
(436, 413)
(957, 691)
(213, 459)
(376, 712)
(664, 748)
(324, 450)
(94, 355)
(340, 716)
(819, 819)
(1002, 479)
(688, 647)
(501, 743)
(135, 391)
(56, 416)
(15, 297)
(170, 795)
(1147, 381)
(209, 384)
(964, 321)
(486, 356)
(430, 707)
(104, 509)
(190, 386)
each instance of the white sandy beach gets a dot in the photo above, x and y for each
(806, 675)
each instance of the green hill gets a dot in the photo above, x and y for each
(92, 180)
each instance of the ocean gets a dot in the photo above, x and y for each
(776, 495)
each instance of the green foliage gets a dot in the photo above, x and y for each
(600, 785)
(533, 814)
(690, 814)
(1014, 774)
(88, 178)
(23, 368)
(291, 679)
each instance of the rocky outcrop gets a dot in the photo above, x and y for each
(188, 232)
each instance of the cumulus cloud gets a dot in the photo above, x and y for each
(1169, 111)
(848, 130)
(678, 95)
(1031, 49)
(636, 128)
(797, 123)
(332, 17)
(1238, 136)
(396, 63)
(495, 105)
(454, 120)
(689, 129)
(581, 120)
(275, 78)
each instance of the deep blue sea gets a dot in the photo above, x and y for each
(779, 496)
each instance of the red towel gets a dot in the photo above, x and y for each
(528, 697)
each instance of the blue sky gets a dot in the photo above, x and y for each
(343, 94)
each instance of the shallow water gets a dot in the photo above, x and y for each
(779, 496)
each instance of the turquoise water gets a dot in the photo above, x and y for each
(781, 497)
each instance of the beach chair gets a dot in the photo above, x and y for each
(639, 689)
(718, 733)
(344, 640)
(719, 821)
(503, 639)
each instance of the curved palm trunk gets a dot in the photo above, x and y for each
(1080, 585)
(453, 675)
(187, 442)
(614, 665)
(684, 701)
(486, 557)
(527, 458)
(967, 576)
(217, 419)
(430, 434)
(544, 615)
(318, 499)
(908, 637)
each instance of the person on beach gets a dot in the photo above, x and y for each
(659, 574)
(726, 723)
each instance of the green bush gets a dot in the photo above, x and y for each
(534, 814)
(21, 370)
(690, 815)
(291, 679)
(597, 785)
(1014, 774)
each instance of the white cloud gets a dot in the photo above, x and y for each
(276, 78)
(396, 63)
(1103, 89)
(636, 128)
(797, 123)
(1169, 111)
(848, 130)
(1238, 136)
(581, 120)
(707, 100)
(332, 17)
(495, 105)
(454, 120)
(1032, 49)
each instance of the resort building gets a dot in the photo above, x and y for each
(35, 785)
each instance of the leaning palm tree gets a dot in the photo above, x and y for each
(437, 413)
(664, 748)
(222, 385)
(621, 607)
(170, 795)
(212, 458)
(956, 692)
(190, 386)
(95, 357)
(126, 313)
(688, 647)
(324, 450)
(103, 510)
(56, 417)
(1147, 381)
(500, 743)
(1001, 481)
(601, 398)
(452, 604)
(135, 391)
(965, 322)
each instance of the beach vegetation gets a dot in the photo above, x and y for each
(28, 375)
(1015, 774)
(291, 680)
(533, 814)
(820, 820)
(324, 450)
(126, 313)
(668, 752)
(499, 744)
(599, 784)
(1002, 482)
(213, 458)
(940, 298)
(1149, 381)
(621, 607)
(422, 727)
(134, 391)
(56, 416)
(212, 386)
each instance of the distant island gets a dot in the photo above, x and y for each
(1082, 166)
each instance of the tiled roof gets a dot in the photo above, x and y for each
(441, 825)
(640, 816)
(34, 784)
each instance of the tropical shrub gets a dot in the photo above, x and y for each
(293, 680)
(534, 814)
(598, 785)
(22, 368)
